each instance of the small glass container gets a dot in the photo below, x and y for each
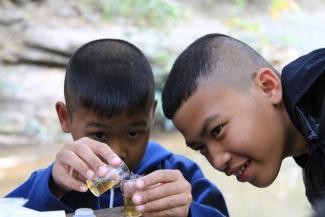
(129, 188)
(99, 185)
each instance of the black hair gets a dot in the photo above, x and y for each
(108, 77)
(222, 58)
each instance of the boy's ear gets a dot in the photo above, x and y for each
(63, 116)
(270, 83)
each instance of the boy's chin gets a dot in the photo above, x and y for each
(262, 183)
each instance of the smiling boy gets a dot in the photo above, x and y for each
(232, 105)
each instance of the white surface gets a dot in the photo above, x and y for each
(9, 205)
(13, 207)
(23, 212)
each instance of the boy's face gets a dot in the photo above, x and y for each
(238, 132)
(127, 135)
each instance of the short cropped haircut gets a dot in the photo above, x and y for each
(108, 77)
(226, 60)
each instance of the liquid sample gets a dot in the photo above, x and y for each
(129, 208)
(98, 187)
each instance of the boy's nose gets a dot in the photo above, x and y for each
(220, 161)
(118, 147)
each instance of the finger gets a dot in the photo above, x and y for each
(74, 184)
(104, 151)
(158, 176)
(161, 191)
(75, 174)
(95, 164)
(71, 159)
(92, 152)
(166, 203)
(62, 178)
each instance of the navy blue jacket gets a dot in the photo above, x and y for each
(207, 198)
(303, 82)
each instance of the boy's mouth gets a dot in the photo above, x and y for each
(240, 171)
(242, 174)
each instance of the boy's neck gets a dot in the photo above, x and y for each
(296, 143)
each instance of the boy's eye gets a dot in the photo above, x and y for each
(197, 147)
(215, 132)
(134, 134)
(99, 136)
(200, 148)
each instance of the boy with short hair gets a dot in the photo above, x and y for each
(110, 105)
(243, 117)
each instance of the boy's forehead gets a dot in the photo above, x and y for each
(192, 109)
(114, 110)
(207, 87)
(91, 115)
(207, 100)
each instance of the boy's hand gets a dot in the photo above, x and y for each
(164, 193)
(80, 160)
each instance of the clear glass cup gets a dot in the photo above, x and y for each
(99, 185)
(128, 188)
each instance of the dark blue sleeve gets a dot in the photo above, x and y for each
(36, 190)
(207, 198)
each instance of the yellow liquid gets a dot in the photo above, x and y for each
(129, 208)
(97, 187)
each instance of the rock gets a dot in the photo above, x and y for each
(41, 57)
(7, 18)
(16, 140)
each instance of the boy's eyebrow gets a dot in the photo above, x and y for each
(96, 124)
(142, 122)
(206, 123)
(137, 123)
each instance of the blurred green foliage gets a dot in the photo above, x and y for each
(238, 23)
(240, 3)
(276, 7)
(280, 6)
(155, 13)
(239, 26)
